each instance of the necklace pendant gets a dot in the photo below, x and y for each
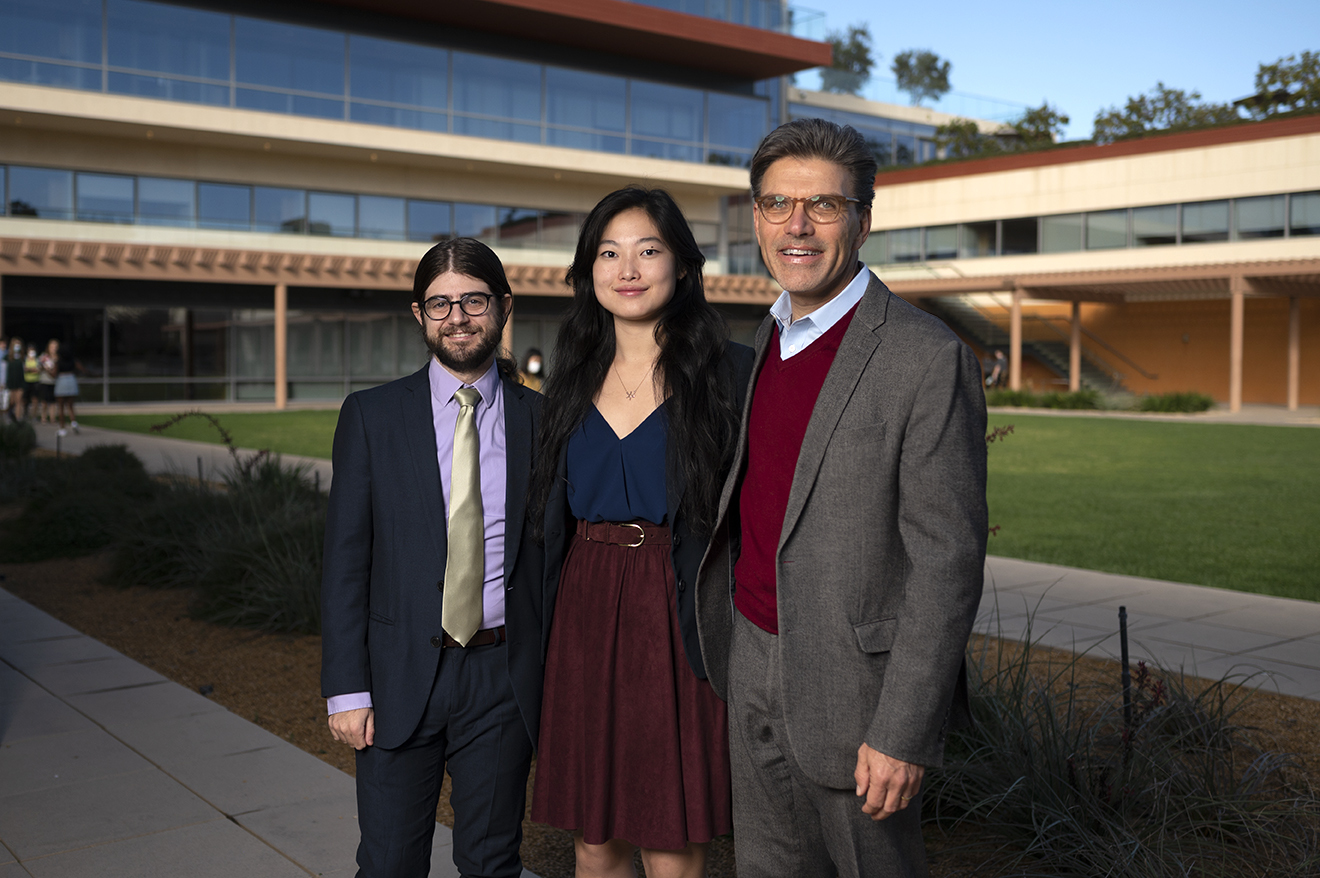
(631, 393)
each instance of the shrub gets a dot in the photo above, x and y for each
(1052, 771)
(17, 439)
(1001, 397)
(1178, 401)
(1085, 398)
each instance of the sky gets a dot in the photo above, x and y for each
(1082, 57)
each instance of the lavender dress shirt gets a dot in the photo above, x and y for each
(494, 487)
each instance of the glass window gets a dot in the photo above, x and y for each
(288, 56)
(58, 75)
(1152, 226)
(297, 105)
(559, 230)
(905, 245)
(1303, 209)
(279, 210)
(400, 73)
(105, 198)
(584, 140)
(68, 30)
(1017, 236)
(1061, 234)
(942, 242)
(1205, 222)
(40, 192)
(518, 227)
(166, 89)
(905, 149)
(514, 131)
(397, 117)
(978, 239)
(1259, 217)
(371, 347)
(475, 221)
(331, 214)
(881, 145)
(1106, 229)
(168, 39)
(497, 87)
(678, 152)
(667, 111)
(584, 100)
(166, 202)
(380, 217)
(429, 220)
(737, 121)
(875, 250)
(221, 206)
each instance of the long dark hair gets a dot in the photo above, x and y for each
(473, 258)
(692, 337)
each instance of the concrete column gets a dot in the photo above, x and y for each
(1237, 286)
(1015, 340)
(1075, 350)
(281, 345)
(1294, 352)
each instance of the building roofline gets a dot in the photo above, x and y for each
(621, 27)
(1154, 143)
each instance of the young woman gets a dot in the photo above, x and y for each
(14, 380)
(66, 388)
(637, 431)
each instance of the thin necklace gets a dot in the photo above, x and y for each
(632, 394)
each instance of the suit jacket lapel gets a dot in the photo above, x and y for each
(419, 428)
(731, 484)
(855, 351)
(518, 451)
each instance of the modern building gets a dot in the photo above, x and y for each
(226, 200)
(1178, 262)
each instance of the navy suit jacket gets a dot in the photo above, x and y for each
(385, 548)
(735, 372)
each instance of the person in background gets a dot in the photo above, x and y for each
(32, 383)
(4, 375)
(46, 380)
(533, 369)
(14, 382)
(640, 415)
(66, 388)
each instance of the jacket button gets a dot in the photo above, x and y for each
(440, 585)
(436, 641)
(678, 541)
(681, 585)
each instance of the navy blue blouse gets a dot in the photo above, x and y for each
(613, 479)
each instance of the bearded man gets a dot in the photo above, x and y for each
(432, 615)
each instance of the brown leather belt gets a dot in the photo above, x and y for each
(484, 637)
(628, 533)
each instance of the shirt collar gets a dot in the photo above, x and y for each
(444, 385)
(832, 311)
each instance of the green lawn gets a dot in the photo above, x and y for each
(308, 433)
(1224, 505)
(1230, 506)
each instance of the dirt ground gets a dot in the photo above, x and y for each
(273, 680)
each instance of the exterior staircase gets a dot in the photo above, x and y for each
(968, 320)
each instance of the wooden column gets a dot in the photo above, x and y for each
(1237, 287)
(1015, 340)
(281, 345)
(1294, 352)
(1075, 350)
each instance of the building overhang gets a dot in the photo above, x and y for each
(623, 28)
(322, 265)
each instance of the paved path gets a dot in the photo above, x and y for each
(109, 769)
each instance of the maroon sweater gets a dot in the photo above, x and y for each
(782, 403)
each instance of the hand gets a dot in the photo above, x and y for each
(888, 784)
(356, 727)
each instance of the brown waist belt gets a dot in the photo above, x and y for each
(628, 533)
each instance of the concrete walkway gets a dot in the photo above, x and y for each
(109, 769)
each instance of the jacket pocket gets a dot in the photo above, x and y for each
(876, 636)
(852, 436)
(377, 617)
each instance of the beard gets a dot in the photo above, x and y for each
(468, 358)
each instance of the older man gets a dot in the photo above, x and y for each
(838, 593)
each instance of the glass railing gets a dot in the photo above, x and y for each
(809, 24)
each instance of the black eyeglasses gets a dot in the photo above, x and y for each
(473, 305)
(821, 208)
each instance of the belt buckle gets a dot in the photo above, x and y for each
(641, 534)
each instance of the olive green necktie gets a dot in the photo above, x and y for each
(465, 568)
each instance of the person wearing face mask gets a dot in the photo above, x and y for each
(533, 369)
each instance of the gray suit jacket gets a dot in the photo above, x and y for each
(879, 565)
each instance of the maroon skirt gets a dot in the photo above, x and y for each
(633, 745)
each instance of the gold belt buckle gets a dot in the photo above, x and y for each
(641, 534)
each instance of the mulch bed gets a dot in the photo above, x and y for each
(274, 680)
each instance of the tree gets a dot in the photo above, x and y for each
(1036, 127)
(1162, 109)
(1289, 84)
(921, 74)
(851, 61)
